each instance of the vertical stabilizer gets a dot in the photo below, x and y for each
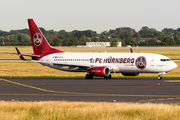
(40, 44)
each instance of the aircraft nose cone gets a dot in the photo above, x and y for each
(173, 65)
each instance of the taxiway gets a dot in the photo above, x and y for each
(98, 89)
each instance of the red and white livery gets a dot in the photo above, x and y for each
(95, 64)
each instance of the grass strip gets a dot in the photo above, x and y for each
(171, 52)
(63, 110)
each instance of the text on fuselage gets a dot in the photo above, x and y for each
(112, 60)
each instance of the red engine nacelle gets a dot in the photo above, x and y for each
(100, 71)
(131, 74)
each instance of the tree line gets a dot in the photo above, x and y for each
(128, 36)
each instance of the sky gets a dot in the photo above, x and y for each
(96, 15)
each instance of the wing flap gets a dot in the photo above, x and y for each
(83, 66)
(66, 64)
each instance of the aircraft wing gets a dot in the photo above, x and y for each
(64, 64)
(83, 66)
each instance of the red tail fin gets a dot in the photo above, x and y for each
(39, 42)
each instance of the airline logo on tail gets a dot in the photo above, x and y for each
(40, 44)
(37, 39)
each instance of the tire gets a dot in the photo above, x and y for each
(107, 77)
(159, 77)
(88, 76)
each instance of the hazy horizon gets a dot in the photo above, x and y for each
(96, 15)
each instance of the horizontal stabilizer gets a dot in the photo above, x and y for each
(24, 54)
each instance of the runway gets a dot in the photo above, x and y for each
(98, 89)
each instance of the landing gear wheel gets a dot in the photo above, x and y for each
(107, 77)
(159, 77)
(88, 76)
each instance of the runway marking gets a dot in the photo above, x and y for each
(42, 95)
(158, 99)
(161, 99)
(41, 89)
(171, 80)
(83, 94)
(170, 98)
(86, 83)
(142, 100)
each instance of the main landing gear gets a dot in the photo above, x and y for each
(89, 76)
(107, 77)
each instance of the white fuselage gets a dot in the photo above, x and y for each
(117, 62)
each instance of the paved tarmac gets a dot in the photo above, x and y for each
(98, 89)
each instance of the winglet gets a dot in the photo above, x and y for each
(20, 55)
(131, 50)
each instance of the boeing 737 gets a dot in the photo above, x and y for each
(95, 64)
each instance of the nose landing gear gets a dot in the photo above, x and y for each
(161, 73)
(159, 77)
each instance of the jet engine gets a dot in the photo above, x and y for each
(131, 74)
(100, 71)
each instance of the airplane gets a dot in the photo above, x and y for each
(95, 64)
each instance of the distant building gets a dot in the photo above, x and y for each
(101, 44)
(144, 39)
(97, 44)
(119, 44)
(128, 45)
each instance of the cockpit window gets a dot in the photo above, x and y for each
(165, 60)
